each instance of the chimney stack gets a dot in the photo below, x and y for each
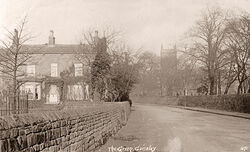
(51, 38)
(96, 37)
(96, 33)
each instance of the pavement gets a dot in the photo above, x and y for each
(158, 128)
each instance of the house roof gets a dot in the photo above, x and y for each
(56, 49)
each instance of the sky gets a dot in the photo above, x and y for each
(143, 23)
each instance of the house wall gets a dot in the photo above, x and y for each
(43, 63)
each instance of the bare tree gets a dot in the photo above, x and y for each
(189, 75)
(88, 42)
(149, 73)
(209, 34)
(14, 55)
(239, 44)
(229, 75)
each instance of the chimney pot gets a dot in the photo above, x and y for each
(51, 32)
(51, 38)
(96, 33)
(96, 37)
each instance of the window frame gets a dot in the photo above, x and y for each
(78, 72)
(54, 66)
(33, 67)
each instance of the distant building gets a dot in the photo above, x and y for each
(168, 64)
(169, 58)
(53, 74)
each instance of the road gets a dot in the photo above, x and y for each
(164, 129)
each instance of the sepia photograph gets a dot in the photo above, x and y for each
(124, 75)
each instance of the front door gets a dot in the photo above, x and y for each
(53, 94)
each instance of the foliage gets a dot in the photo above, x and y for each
(236, 103)
(123, 75)
(113, 72)
(100, 69)
(69, 78)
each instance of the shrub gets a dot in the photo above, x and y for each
(236, 103)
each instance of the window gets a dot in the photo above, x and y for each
(31, 70)
(78, 69)
(54, 69)
(30, 91)
(33, 89)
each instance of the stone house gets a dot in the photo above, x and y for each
(53, 73)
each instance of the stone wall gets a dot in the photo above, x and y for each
(81, 128)
(236, 103)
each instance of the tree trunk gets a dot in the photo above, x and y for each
(212, 61)
(211, 73)
(239, 90)
(244, 84)
(161, 87)
(226, 89)
(219, 83)
(212, 85)
(228, 85)
(14, 93)
(241, 86)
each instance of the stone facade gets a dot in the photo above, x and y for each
(71, 129)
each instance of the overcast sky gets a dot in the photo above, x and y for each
(144, 23)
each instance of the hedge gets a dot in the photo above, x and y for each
(235, 103)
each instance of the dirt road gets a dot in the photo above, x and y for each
(164, 129)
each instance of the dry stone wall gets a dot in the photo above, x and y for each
(74, 129)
